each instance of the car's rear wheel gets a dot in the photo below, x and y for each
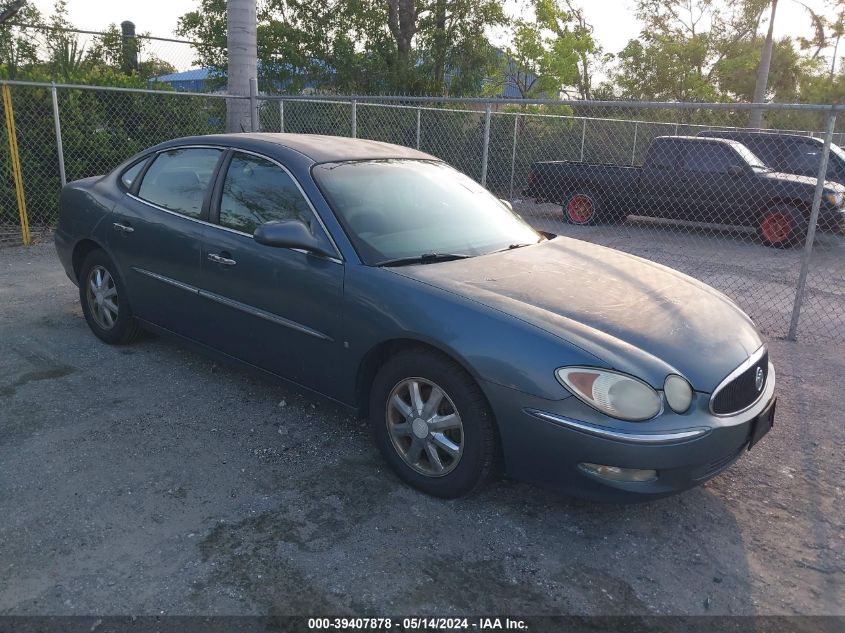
(103, 298)
(782, 227)
(432, 424)
(582, 209)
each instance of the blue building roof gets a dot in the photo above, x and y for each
(195, 74)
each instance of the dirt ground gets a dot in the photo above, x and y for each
(147, 479)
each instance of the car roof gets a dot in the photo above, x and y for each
(318, 147)
(700, 139)
(756, 134)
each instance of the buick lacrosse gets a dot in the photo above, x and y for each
(383, 279)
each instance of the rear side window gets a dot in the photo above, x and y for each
(177, 180)
(709, 158)
(256, 191)
(129, 176)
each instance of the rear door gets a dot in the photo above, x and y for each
(277, 308)
(157, 230)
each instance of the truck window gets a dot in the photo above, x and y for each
(802, 157)
(709, 158)
(663, 155)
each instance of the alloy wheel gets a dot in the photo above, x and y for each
(425, 427)
(101, 292)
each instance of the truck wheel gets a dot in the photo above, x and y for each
(582, 209)
(782, 227)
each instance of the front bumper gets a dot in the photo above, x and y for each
(832, 219)
(544, 441)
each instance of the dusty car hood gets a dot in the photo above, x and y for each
(633, 314)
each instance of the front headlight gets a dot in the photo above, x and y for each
(614, 394)
(833, 199)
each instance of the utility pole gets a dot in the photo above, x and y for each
(763, 71)
(241, 40)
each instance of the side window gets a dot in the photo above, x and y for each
(709, 158)
(178, 178)
(256, 191)
(664, 155)
(802, 158)
(128, 177)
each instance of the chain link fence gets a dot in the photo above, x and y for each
(685, 185)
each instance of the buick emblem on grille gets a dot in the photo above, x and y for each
(758, 379)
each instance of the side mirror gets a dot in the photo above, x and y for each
(736, 171)
(506, 203)
(290, 234)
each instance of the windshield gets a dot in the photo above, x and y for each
(835, 149)
(394, 209)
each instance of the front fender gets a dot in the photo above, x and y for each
(493, 346)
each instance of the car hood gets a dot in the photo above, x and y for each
(634, 315)
(809, 181)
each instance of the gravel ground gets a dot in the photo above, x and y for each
(146, 479)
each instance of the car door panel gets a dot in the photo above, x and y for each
(277, 308)
(160, 261)
(156, 234)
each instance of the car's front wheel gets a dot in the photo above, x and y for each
(103, 298)
(432, 424)
(782, 227)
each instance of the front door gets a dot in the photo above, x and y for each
(277, 308)
(716, 185)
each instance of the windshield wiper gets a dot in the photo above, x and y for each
(512, 247)
(425, 258)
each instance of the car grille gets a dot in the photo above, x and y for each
(742, 391)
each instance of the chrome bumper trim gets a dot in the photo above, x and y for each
(665, 437)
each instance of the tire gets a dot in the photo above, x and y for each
(106, 311)
(405, 437)
(782, 227)
(582, 208)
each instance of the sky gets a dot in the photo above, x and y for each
(613, 20)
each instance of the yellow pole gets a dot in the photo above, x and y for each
(16, 163)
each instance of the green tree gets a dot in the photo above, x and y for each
(551, 52)
(18, 49)
(395, 46)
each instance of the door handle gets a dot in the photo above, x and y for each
(217, 259)
(123, 228)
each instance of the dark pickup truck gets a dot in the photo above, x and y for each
(691, 178)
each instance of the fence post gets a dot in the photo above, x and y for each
(583, 137)
(253, 104)
(15, 157)
(634, 151)
(354, 119)
(811, 229)
(281, 116)
(513, 154)
(485, 150)
(419, 112)
(59, 149)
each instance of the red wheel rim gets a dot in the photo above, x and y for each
(580, 209)
(776, 228)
